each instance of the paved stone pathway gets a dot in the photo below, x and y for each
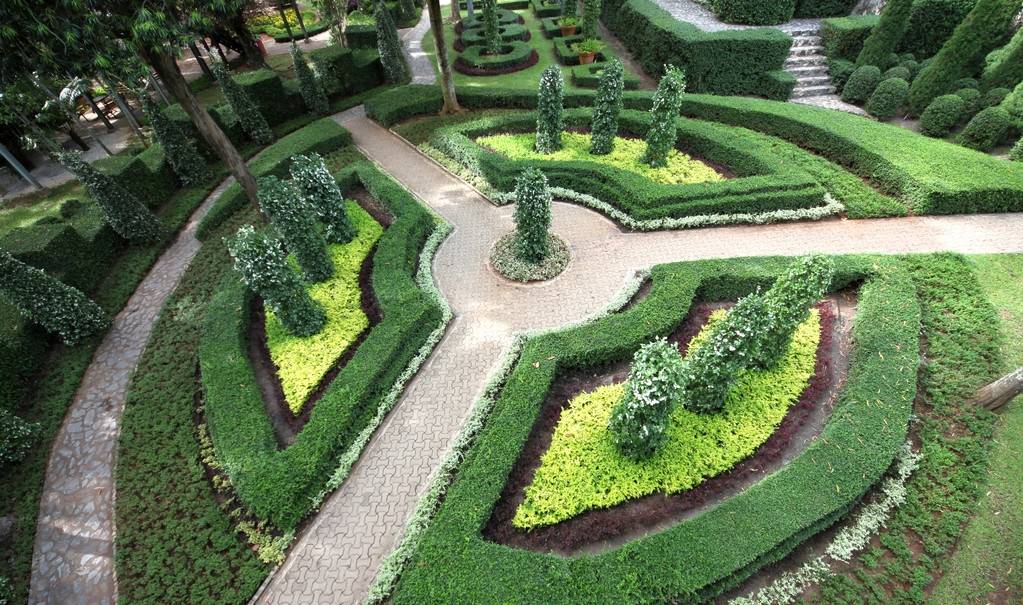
(412, 41)
(336, 558)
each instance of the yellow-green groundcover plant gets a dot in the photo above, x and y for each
(302, 362)
(583, 469)
(680, 169)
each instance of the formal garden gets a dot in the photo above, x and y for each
(511, 301)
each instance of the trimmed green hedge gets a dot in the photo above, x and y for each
(588, 76)
(843, 38)
(281, 36)
(347, 71)
(278, 484)
(321, 136)
(566, 56)
(823, 8)
(543, 10)
(513, 53)
(754, 12)
(276, 103)
(477, 35)
(688, 562)
(725, 62)
(1004, 66)
(148, 175)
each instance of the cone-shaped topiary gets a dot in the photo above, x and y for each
(180, 150)
(406, 10)
(249, 116)
(591, 13)
(293, 220)
(532, 215)
(126, 215)
(942, 115)
(491, 31)
(389, 45)
(308, 84)
(323, 196)
(49, 302)
(888, 97)
(607, 107)
(660, 139)
(549, 109)
(263, 266)
(638, 422)
(570, 8)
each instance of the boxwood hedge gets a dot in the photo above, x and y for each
(700, 557)
(843, 37)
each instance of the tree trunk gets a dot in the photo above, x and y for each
(447, 81)
(99, 113)
(202, 62)
(284, 17)
(236, 25)
(468, 8)
(301, 22)
(456, 14)
(122, 104)
(999, 392)
(77, 139)
(164, 64)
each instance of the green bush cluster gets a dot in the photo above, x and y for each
(262, 263)
(294, 220)
(889, 96)
(1013, 103)
(861, 84)
(532, 216)
(942, 115)
(251, 119)
(513, 53)
(606, 107)
(663, 132)
(885, 37)
(972, 101)
(1004, 66)
(899, 71)
(986, 130)
(550, 106)
(323, 196)
(312, 91)
(505, 33)
(181, 152)
(754, 12)
(639, 421)
(931, 23)
(389, 45)
(994, 97)
(840, 70)
(843, 37)
(1016, 153)
(149, 175)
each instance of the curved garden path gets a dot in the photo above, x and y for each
(337, 556)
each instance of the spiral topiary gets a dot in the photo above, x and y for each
(293, 220)
(323, 196)
(389, 45)
(308, 84)
(660, 139)
(249, 116)
(532, 215)
(638, 423)
(549, 110)
(181, 151)
(261, 262)
(607, 107)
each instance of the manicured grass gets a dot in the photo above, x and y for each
(627, 155)
(988, 563)
(23, 214)
(302, 362)
(584, 470)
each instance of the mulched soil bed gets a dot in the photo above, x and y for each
(464, 68)
(598, 530)
(286, 424)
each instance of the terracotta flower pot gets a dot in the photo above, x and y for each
(587, 58)
(568, 30)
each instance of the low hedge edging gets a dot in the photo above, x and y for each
(515, 55)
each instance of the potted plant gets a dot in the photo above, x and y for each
(568, 26)
(587, 50)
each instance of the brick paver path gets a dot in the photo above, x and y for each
(336, 558)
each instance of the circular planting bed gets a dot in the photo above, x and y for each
(477, 36)
(504, 17)
(513, 56)
(504, 260)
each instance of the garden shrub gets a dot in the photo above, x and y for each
(899, 72)
(840, 71)
(571, 8)
(942, 115)
(550, 105)
(660, 139)
(994, 97)
(912, 66)
(639, 421)
(532, 216)
(147, 176)
(323, 196)
(1013, 103)
(986, 130)
(971, 102)
(125, 214)
(252, 121)
(491, 33)
(931, 22)
(962, 83)
(861, 84)
(606, 107)
(885, 37)
(261, 262)
(1016, 153)
(180, 151)
(754, 12)
(1004, 66)
(406, 10)
(55, 306)
(823, 8)
(889, 96)
(981, 31)
(312, 91)
(389, 46)
(292, 218)
(591, 13)
(16, 438)
(843, 37)
(276, 99)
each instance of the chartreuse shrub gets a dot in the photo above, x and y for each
(252, 121)
(309, 86)
(532, 216)
(323, 197)
(888, 98)
(942, 115)
(550, 105)
(986, 130)
(980, 32)
(606, 107)
(679, 168)
(389, 46)
(294, 221)
(262, 264)
(886, 35)
(302, 361)
(453, 563)
(638, 422)
(55, 306)
(660, 138)
(861, 84)
(180, 151)
(125, 214)
(586, 467)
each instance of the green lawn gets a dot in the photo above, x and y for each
(988, 565)
(28, 210)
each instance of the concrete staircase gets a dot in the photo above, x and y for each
(808, 64)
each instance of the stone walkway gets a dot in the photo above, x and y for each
(412, 41)
(336, 558)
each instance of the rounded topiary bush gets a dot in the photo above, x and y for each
(966, 83)
(899, 72)
(971, 102)
(986, 130)
(889, 96)
(861, 84)
(839, 70)
(942, 115)
(994, 97)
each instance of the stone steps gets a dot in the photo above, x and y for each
(808, 64)
(800, 92)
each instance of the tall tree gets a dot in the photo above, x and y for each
(447, 80)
